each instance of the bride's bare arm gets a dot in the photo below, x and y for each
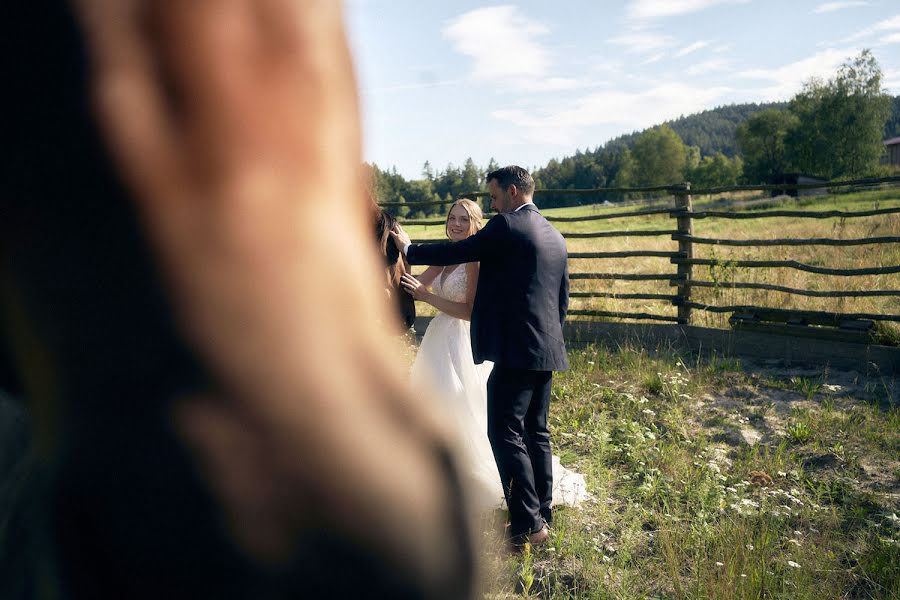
(428, 276)
(460, 310)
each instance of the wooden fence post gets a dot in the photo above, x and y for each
(686, 249)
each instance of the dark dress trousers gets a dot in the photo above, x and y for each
(517, 318)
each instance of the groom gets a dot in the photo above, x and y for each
(520, 306)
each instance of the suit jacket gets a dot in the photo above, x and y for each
(523, 289)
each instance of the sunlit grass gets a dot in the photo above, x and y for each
(684, 506)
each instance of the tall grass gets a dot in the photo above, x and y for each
(685, 507)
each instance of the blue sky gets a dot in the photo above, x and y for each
(530, 81)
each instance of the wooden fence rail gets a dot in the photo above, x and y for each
(674, 189)
(795, 291)
(815, 316)
(789, 242)
(626, 254)
(682, 279)
(800, 214)
(788, 264)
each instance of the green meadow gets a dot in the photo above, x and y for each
(713, 477)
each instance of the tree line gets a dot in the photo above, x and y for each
(831, 128)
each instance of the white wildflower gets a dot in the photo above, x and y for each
(793, 564)
(720, 564)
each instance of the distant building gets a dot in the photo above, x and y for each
(798, 179)
(891, 152)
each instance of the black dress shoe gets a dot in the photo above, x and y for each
(536, 538)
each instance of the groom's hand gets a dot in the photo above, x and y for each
(401, 239)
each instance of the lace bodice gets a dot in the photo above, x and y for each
(452, 286)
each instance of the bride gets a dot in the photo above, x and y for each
(445, 361)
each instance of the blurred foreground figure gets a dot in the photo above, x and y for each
(191, 302)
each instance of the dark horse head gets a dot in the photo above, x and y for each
(395, 266)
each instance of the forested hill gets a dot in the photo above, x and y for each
(711, 130)
(714, 130)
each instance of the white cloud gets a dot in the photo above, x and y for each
(833, 6)
(891, 24)
(405, 87)
(550, 84)
(892, 80)
(691, 48)
(642, 41)
(786, 80)
(628, 110)
(893, 38)
(652, 9)
(501, 41)
(708, 66)
(655, 58)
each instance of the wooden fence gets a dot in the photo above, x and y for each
(682, 277)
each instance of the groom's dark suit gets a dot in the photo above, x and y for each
(517, 318)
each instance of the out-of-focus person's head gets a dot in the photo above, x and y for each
(102, 297)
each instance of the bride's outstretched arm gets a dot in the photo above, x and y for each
(428, 276)
(460, 310)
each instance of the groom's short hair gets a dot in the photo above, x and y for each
(513, 175)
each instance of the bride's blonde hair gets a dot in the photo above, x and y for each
(476, 217)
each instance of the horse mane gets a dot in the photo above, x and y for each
(395, 266)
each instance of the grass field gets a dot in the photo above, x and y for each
(765, 228)
(712, 479)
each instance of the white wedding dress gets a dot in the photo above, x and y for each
(444, 361)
